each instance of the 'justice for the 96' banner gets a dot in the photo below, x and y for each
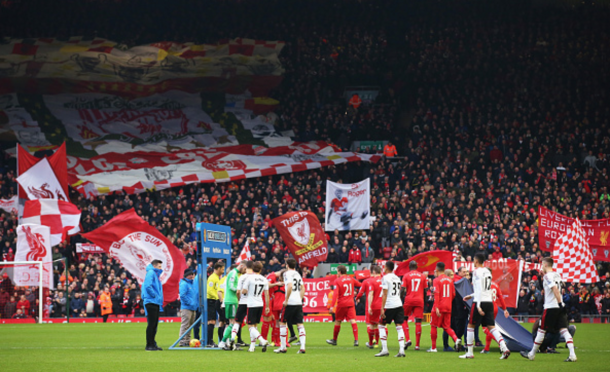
(303, 234)
(316, 295)
(552, 225)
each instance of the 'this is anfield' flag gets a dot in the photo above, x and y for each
(245, 254)
(426, 261)
(134, 243)
(58, 162)
(304, 236)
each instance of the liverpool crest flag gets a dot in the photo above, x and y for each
(304, 236)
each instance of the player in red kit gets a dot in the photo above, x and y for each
(444, 292)
(414, 284)
(372, 288)
(498, 299)
(276, 291)
(346, 308)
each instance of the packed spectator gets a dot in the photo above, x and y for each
(493, 114)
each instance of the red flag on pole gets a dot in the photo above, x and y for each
(58, 162)
(426, 261)
(134, 243)
(304, 236)
(245, 254)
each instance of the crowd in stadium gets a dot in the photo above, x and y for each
(503, 116)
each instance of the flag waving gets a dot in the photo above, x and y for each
(134, 243)
(62, 217)
(39, 182)
(58, 162)
(33, 244)
(304, 236)
(426, 261)
(245, 254)
(573, 258)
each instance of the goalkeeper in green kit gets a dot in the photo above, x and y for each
(230, 304)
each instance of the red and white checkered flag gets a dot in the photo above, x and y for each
(245, 254)
(573, 258)
(62, 217)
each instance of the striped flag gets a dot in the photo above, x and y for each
(245, 254)
(62, 217)
(573, 258)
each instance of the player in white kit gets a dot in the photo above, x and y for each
(292, 309)
(256, 286)
(554, 317)
(391, 311)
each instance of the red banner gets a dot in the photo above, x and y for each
(426, 261)
(135, 244)
(551, 225)
(316, 295)
(304, 236)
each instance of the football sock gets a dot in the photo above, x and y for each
(377, 335)
(252, 337)
(569, 342)
(417, 333)
(451, 334)
(210, 334)
(239, 334)
(488, 338)
(302, 336)
(371, 334)
(470, 341)
(383, 336)
(401, 338)
(275, 333)
(405, 328)
(265, 329)
(283, 335)
(336, 332)
(537, 341)
(355, 329)
(227, 334)
(433, 336)
(495, 332)
(234, 331)
(291, 329)
(221, 332)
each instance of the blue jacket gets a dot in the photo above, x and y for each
(189, 299)
(152, 290)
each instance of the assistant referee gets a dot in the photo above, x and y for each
(212, 298)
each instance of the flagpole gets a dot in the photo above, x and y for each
(40, 293)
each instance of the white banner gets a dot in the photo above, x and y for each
(348, 206)
(33, 244)
(10, 205)
(173, 118)
(40, 182)
(88, 248)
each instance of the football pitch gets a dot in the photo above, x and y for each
(120, 347)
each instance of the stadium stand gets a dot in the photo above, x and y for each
(490, 118)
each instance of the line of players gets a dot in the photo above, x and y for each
(384, 305)
(246, 296)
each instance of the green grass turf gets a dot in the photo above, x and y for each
(120, 347)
